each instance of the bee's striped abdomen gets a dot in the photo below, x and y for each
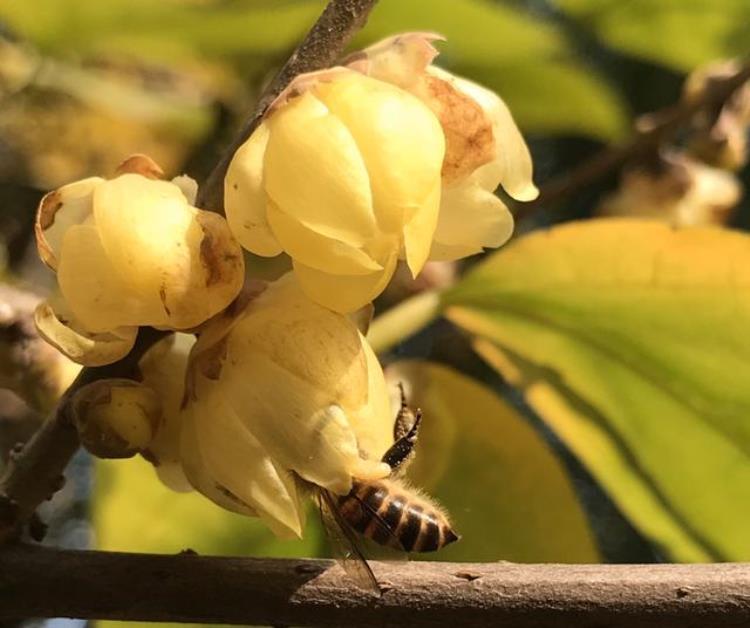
(411, 523)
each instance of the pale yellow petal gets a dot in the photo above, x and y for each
(316, 250)
(238, 462)
(419, 232)
(163, 369)
(198, 474)
(57, 326)
(284, 414)
(472, 216)
(67, 206)
(245, 198)
(314, 170)
(512, 167)
(142, 224)
(373, 424)
(313, 343)
(188, 186)
(344, 293)
(181, 262)
(450, 253)
(399, 137)
(94, 290)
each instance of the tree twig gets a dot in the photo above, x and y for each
(335, 27)
(666, 123)
(35, 471)
(45, 582)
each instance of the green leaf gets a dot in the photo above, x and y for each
(527, 61)
(134, 512)
(164, 30)
(677, 33)
(507, 493)
(630, 340)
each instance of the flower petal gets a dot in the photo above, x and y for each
(94, 290)
(316, 250)
(512, 167)
(373, 425)
(420, 230)
(245, 198)
(399, 137)
(238, 462)
(181, 262)
(344, 293)
(58, 327)
(472, 216)
(59, 210)
(314, 170)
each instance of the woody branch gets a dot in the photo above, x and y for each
(45, 582)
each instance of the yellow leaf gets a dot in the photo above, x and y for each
(505, 490)
(629, 339)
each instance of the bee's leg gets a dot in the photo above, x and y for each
(403, 448)
(404, 417)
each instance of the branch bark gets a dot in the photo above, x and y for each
(44, 582)
(35, 471)
(325, 42)
(666, 124)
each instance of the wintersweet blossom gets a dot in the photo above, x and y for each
(279, 390)
(387, 158)
(131, 251)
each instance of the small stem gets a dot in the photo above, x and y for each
(35, 472)
(403, 320)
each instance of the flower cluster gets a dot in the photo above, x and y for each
(275, 387)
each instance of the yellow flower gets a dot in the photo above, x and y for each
(131, 251)
(387, 158)
(280, 389)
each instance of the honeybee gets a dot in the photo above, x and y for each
(387, 511)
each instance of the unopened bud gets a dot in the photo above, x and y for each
(115, 418)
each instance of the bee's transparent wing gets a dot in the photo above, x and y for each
(344, 543)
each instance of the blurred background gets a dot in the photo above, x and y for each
(85, 83)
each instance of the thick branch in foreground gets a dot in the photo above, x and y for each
(45, 582)
(663, 126)
(35, 473)
(336, 26)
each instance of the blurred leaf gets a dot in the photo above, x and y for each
(167, 30)
(629, 338)
(505, 490)
(527, 61)
(678, 33)
(134, 512)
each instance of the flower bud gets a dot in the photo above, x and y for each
(128, 252)
(387, 158)
(115, 418)
(280, 390)
(680, 191)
